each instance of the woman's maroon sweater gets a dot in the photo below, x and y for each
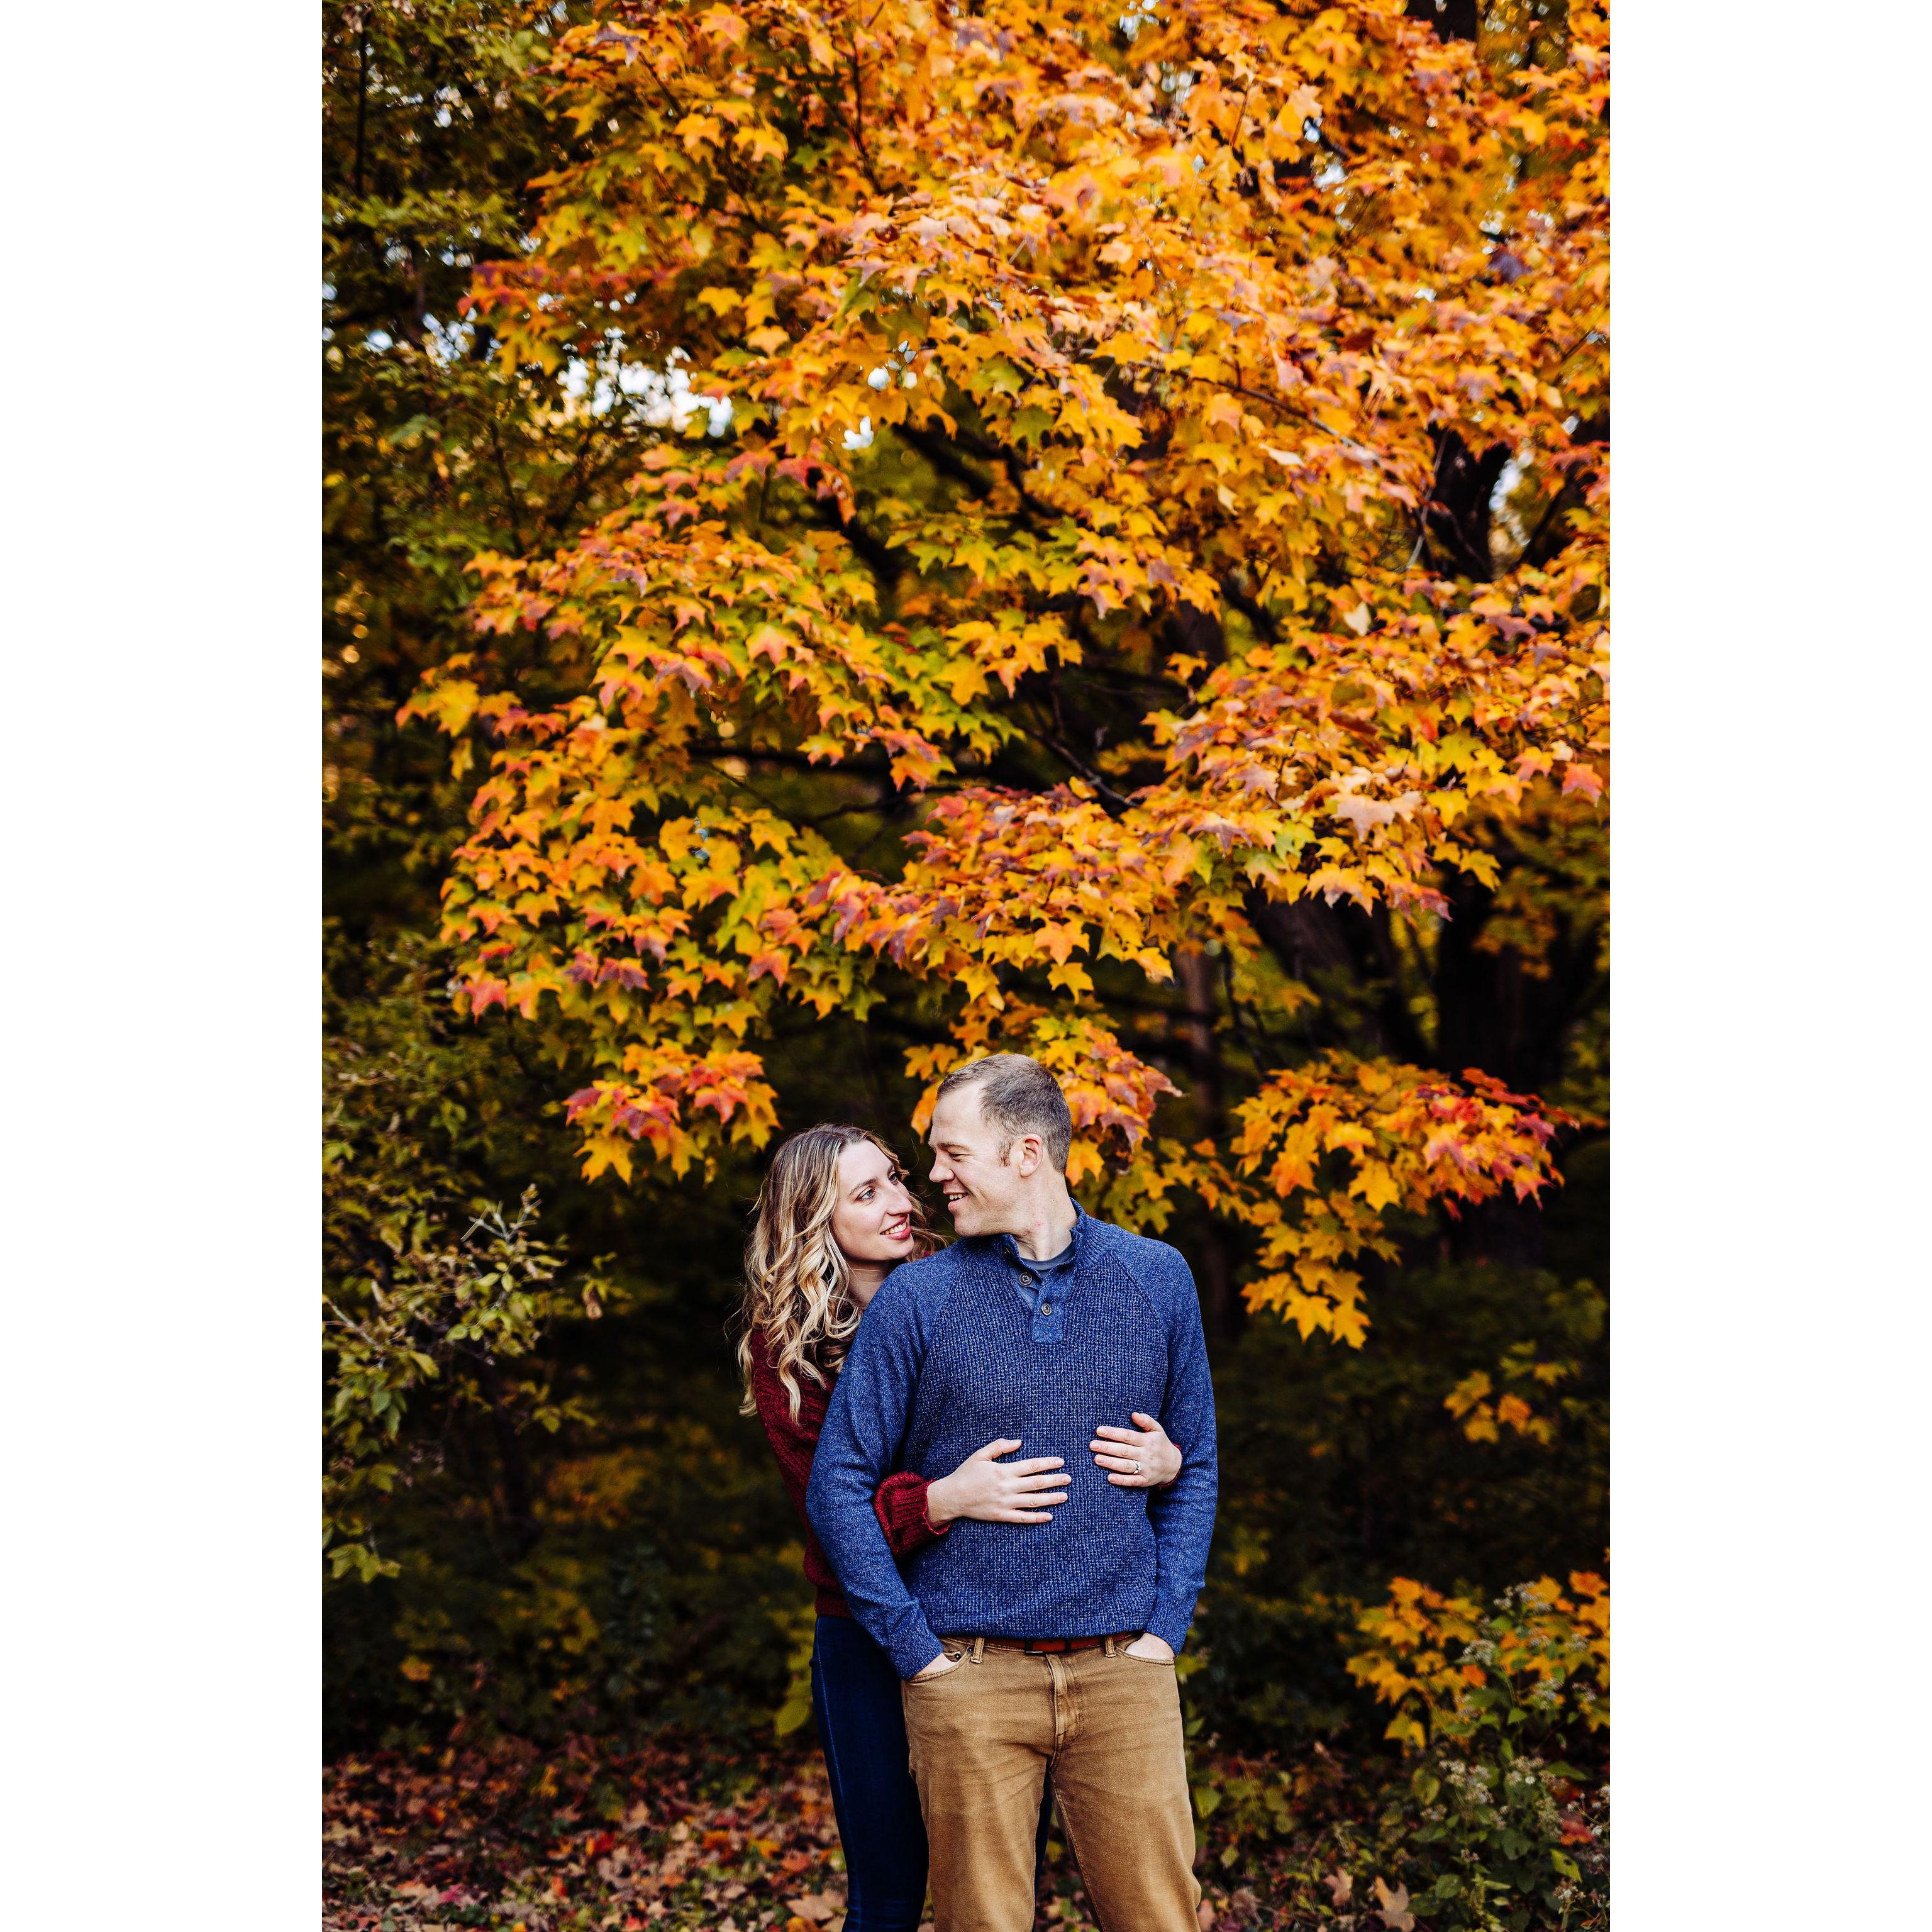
(899, 1501)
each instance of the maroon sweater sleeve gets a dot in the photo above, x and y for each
(792, 1437)
(899, 1501)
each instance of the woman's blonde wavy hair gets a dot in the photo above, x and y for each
(797, 1293)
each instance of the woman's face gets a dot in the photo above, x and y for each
(873, 1220)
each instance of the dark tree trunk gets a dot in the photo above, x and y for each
(1480, 1007)
(1492, 1013)
(1453, 20)
(1304, 936)
(1195, 631)
(1313, 940)
(1222, 1312)
(1457, 517)
(361, 93)
(1480, 994)
(520, 1521)
(1494, 1016)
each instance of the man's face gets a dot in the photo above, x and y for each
(983, 1192)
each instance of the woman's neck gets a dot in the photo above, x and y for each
(863, 1279)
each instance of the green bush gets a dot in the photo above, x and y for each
(1493, 1830)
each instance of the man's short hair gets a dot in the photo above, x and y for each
(1018, 1095)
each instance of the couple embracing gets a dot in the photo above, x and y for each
(1004, 1449)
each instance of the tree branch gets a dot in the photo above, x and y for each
(1116, 806)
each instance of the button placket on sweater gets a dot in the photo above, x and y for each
(1048, 1323)
(1052, 1293)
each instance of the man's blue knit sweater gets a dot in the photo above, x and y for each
(948, 1356)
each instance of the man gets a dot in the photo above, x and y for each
(1024, 1645)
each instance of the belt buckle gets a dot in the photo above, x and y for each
(1044, 1646)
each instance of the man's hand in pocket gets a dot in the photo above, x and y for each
(940, 1665)
(1153, 1649)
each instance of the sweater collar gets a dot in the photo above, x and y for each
(1005, 1247)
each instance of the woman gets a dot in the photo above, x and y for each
(834, 1218)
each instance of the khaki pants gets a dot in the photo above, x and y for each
(981, 1737)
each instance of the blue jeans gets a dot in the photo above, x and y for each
(856, 1703)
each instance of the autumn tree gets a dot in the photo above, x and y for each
(582, 1578)
(1112, 557)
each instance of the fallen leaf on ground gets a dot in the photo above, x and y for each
(1393, 1909)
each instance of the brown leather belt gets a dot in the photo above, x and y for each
(1040, 1646)
(1057, 1646)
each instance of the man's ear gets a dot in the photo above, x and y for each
(1031, 1153)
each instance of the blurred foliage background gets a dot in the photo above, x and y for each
(551, 1519)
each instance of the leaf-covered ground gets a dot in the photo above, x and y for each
(577, 1840)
